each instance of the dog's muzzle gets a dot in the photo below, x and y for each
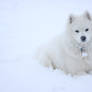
(83, 38)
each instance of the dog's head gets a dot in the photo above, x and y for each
(80, 28)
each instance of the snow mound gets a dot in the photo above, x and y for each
(32, 77)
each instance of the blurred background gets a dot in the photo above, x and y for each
(25, 24)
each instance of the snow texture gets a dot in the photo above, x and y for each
(25, 25)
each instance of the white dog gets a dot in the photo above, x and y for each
(71, 51)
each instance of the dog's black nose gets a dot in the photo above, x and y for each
(83, 38)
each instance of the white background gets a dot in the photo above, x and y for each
(26, 24)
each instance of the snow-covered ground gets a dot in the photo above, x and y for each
(26, 24)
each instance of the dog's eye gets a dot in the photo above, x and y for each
(86, 29)
(77, 31)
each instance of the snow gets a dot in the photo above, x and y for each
(25, 25)
(24, 77)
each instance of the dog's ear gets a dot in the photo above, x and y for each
(87, 15)
(71, 18)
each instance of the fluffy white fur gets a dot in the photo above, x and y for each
(64, 51)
